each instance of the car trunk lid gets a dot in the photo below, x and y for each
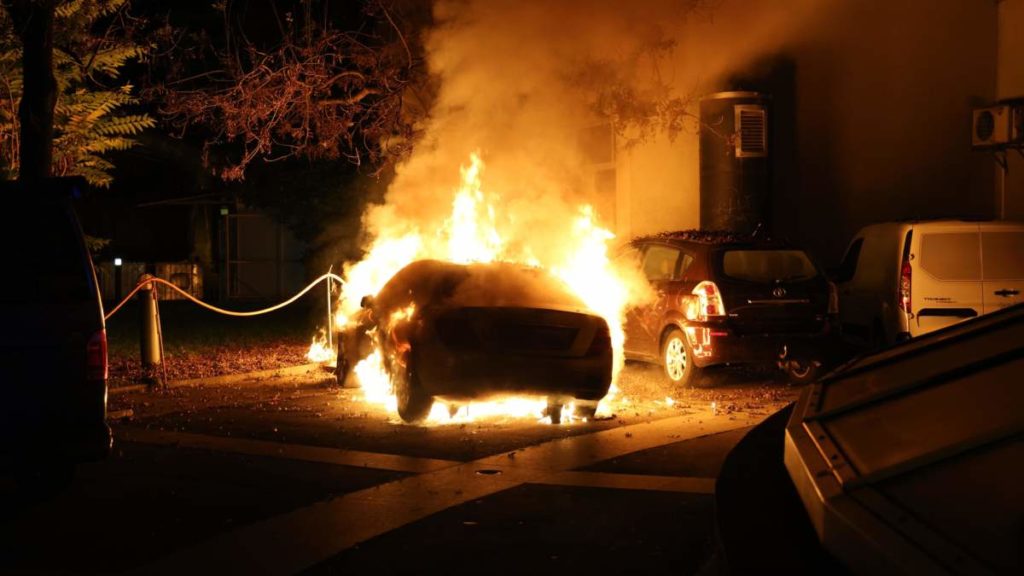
(772, 291)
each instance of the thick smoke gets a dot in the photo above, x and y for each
(522, 81)
(518, 80)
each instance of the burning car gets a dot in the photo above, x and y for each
(462, 332)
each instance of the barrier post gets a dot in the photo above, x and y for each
(149, 329)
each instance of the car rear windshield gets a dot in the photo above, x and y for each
(44, 256)
(768, 265)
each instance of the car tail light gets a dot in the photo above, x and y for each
(833, 299)
(602, 341)
(905, 273)
(96, 356)
(709, 301)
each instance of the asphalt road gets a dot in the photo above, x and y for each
(293, 475)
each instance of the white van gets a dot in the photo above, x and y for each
(903, 279)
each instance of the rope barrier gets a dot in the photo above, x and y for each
(154, 280)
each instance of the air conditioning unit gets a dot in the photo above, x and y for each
(1001, 125)
(751, 122)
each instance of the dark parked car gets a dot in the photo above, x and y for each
(463, 332)
(53, 347)
(727, 299)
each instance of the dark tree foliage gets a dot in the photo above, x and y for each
(93, 41)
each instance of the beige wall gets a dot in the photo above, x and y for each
(658, 187)
(880, 97)
(1010, 84)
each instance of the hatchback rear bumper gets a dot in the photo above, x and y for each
(717, 344)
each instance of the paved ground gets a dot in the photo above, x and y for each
(291, 476)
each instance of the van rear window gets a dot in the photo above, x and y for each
(768, 265)
(951, 255)
(1003, 255)
(45, 256)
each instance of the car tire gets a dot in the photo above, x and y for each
(803, 371)
(677, 359)
(414, 403)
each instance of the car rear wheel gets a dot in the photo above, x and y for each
(677, 359)
(414, 403)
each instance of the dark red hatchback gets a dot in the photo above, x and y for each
(728, 299)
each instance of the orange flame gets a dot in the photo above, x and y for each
(473, 233)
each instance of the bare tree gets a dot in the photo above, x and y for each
(317, 92)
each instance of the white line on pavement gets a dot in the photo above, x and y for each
(303, 452)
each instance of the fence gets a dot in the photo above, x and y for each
(185, 275)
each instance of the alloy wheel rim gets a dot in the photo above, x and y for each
(799, 369)
(675, 359)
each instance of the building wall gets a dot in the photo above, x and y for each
(1010, 84)
(875, 101)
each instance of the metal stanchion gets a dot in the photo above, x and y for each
(150, 345)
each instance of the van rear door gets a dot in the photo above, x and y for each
(1002, 266)
(946, 282)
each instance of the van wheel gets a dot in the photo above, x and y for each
(677, 359)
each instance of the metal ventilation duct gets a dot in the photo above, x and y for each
(734, 161)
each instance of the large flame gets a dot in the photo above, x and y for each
(473, 232)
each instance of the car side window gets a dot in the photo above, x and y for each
(684, 266)
(848, 268)
(661, 263)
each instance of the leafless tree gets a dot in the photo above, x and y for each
(316, 92)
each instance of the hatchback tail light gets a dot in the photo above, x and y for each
(709, 301)
(96, 356)
(602, 341)
(905, 274)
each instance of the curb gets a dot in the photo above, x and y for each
(257, 378)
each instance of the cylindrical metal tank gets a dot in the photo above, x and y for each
(735, 173)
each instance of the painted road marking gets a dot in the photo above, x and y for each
(296, 540)
(304, 452)
(688, 485)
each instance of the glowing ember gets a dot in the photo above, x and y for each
(481, 228)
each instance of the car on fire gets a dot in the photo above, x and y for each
(723, 298)
(462, 332)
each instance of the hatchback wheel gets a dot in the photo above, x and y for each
(677, 359)
(803, 371)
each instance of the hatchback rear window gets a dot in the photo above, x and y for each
(768, 265)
